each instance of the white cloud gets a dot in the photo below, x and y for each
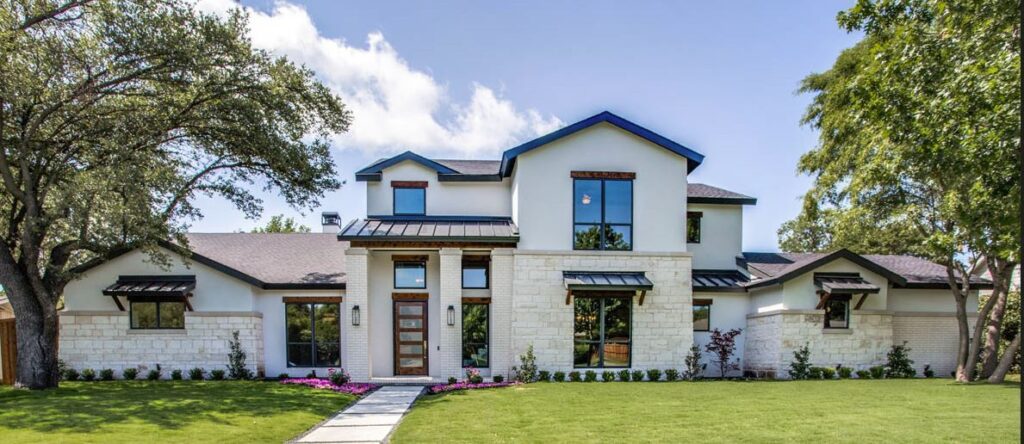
(396, 107)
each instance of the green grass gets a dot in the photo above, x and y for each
(195, 412)
(934, 410)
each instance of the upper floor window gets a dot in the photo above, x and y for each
(410, 198)
(693, 226)
(602, 211)
(410, 274)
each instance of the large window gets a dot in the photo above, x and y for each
(602, 332)
(602, 214)
(837, 312)
(475, 272)
(410, 201)
(157, 315)
(693, 226)
(701, 315)
(475, 335)
(411, 274)
(314, 334)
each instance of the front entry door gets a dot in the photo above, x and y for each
(410, 337)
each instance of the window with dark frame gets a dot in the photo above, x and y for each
(475, 335)
(602, 214)
(313, 334)
(693, 226)
(410, 274)
(837, 312)
(701, 315)
(157, 315)
(601, 337)
(475, 272)
(409, 201)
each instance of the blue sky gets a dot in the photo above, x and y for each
(467, 80)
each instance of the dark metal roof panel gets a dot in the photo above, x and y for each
(718, 280)
(485, 229)
(845, 284)
(151, 286)
(606, 280)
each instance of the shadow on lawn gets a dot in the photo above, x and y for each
(85, 407)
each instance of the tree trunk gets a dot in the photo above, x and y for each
(1006, 362)
(36, 326)
(1001, 272)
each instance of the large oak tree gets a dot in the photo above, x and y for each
(114, 116)
(919, 148)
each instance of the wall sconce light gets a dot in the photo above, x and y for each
(451, 315)
(355, 315)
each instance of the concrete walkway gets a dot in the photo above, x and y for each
(371, 419)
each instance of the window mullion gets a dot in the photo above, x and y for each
(312, 334)
(157, 315)
(600, 226)
(600, 350)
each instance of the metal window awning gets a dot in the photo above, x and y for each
(832, 286)
(428, 229)
(152, 287)
(606, 281)
(719, 280)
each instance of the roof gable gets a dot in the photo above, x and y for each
(508, 158)
(373, 173)
(809, 263)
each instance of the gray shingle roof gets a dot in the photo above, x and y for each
(471, 166)
(916, 271)
(701, 193)
(276, 259)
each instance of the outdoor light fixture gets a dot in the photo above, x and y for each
(451, 315)
(355, 315)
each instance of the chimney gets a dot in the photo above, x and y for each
(331, 221)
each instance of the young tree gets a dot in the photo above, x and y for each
(114, 115)
(723, 346)
(919, 137)
(279, 224)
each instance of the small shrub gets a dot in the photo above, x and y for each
(814, 373)
(153, 375)
(845, 372)
(574, 376)
(952, 374)
(498, 378)
(694, 369)
(452, 380)
(559, 376)
(283, 376)
(176, 374)
(473, 375)
(70, 374)
(217, 375)
(671, 374)
(61, 368)
(653, 375)
(863, 374)
(527, 370)
(722, 346)
(828, 373)
(877, 372)
(311, 374)
(107, 374)
(928, 372)
(590, 376)
(800, 367)
(544, 376)
(637, 375)
(88, 374)
(130, 373)
(236, 359)
(899, 364)
(338, 377)
(607, 376)
(624, 375)
(196, 374)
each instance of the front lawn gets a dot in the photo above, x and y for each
(919, 410)
(137, 411)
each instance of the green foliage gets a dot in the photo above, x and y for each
(671, 374)
(236, 359)
(130, 373)
(624, 375)
(107, 374)
(590, 376)
(863, 374)
(899, 364)
(70, 374)
(544, 376)
(280, 224)
(283, 376)
(574, 376)
(877, 372)
(337, 377)
(527, 370)
(928, 372)
(498, 378)
(452, 380)
(828, 373)
(217, 375)
(88, 374)
(694, 368)
(637, 375)
(845, 372)
(196, 374)
(814, 373)
(653, 375)
(607, 376)
(176, 374)
(559, 376)
(154, 375)
(800, 367)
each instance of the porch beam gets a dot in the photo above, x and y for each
(861, 301)
(823, 298)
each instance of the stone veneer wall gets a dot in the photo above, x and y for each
(662, 328)
(932, 338)
(773, 337)
(99, 340)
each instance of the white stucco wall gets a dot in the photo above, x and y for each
(544, 195)
(928, 300)
(799, 292)
(728, 311)
(721, 236)
(443, 198)
(766, 299)
(271, 305)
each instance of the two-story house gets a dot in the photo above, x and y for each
(589, 244)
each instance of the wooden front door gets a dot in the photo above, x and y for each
(410, 337)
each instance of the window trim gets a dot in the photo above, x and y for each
(601, 322)
(602, 224)
(487, 343)
(699, 216)
(842, 298)
(706, 303)
(394, 200)
(312, 335)
(158, 302)
(394, 274)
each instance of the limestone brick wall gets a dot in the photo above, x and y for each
(762, 348)
(99, 340)
(932, 338)
(662, 330)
